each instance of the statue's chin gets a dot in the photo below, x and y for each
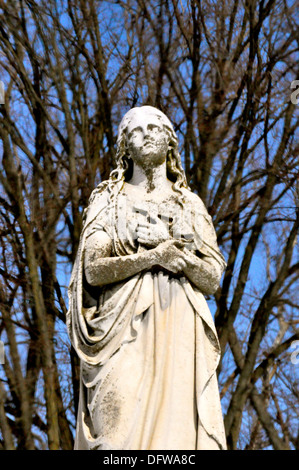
(150, 157)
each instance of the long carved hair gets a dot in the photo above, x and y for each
(124, 164)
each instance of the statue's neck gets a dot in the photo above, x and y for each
(150, 179)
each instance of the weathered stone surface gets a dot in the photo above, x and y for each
(138, 318)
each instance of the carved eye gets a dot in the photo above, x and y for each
(153, 128)
(134, 133)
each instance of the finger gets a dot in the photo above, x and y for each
(144, 241)
(188, 257)
(175, 252)
(141, 219)
(180, 264)
(178, 243)
(142, 230)
(143, 233)
(174, 244)
(173, 269)
(183, 264)
(143, 225)
(143, 237)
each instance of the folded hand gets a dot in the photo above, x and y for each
(151, 234)
(170, 256)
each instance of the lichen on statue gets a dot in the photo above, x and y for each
(137, 317)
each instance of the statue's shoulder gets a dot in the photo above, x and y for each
(194, 199)
(100, 192)
(98, 200)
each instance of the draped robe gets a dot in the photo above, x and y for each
(148, 346)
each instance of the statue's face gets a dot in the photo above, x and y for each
(147, 140)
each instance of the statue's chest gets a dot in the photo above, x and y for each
(131, 211)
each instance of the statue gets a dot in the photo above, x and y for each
(137, 314)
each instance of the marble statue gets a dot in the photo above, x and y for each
(137, 316)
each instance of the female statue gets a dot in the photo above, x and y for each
(137, 316)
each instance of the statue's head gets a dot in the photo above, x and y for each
(137, 114)
(131, 119)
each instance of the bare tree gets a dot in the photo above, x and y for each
(222, 72)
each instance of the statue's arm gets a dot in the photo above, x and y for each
(204, 272)
(102, 269)
(205, 266)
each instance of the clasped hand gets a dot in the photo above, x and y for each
(151, 234)
(169, 253)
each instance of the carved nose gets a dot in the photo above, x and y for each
(146, 137)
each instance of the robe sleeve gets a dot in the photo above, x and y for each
(205, 238)
(101, 320)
